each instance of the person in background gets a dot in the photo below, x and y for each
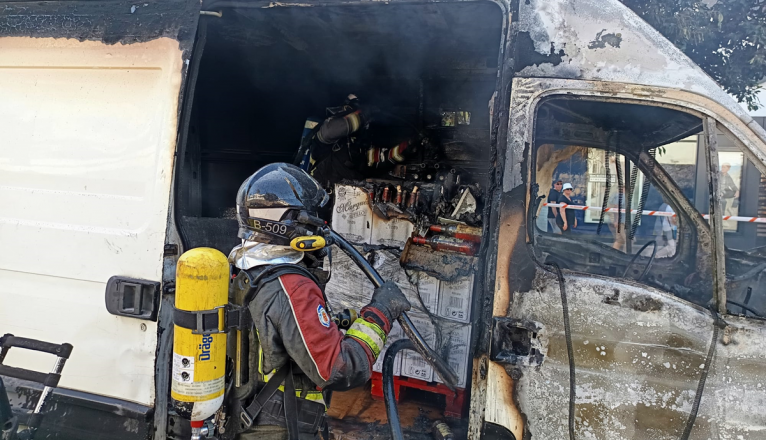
(566, 217)
(616, 220)
(663, 230)
(553, 197)
(729, 190)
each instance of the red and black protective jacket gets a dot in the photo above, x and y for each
(292, 322)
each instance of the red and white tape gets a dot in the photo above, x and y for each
(733, 218)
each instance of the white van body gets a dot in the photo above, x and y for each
(92, 108)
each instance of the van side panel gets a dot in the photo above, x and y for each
(89, 133)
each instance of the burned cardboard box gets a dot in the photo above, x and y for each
(352, 215)
(421, 290)
(393, 232)
(446, 266)
(347, 288)
(454, 346)
(455, 299)
(413, 364)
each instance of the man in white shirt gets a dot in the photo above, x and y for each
(663, 231)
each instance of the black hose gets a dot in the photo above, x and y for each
(648, 265)
(421, 346)
(554, 268)
(570, 351)
(717, 322)
(357, 258)
(389, 394)
(745, 308)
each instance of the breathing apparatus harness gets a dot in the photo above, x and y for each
(294, 410)
(234, 317)
(305, 232)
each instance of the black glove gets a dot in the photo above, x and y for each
(390, 300)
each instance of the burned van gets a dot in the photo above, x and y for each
(630, 304)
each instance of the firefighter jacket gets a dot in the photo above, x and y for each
(292, 321)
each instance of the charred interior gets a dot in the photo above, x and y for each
(424, 76)
(610, 155)
(650, 160)
(265, 71)
(631, 128)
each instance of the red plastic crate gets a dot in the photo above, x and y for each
(455, 408)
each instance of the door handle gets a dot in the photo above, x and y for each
(132, 298)
(515, 342)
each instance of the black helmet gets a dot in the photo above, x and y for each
(277, 203)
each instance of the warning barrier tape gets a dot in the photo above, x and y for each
(733, 218)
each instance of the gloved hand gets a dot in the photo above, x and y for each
(390, 300)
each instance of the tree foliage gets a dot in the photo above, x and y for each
(726, 38)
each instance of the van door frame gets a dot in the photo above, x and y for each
(716, 210)
(709, 111)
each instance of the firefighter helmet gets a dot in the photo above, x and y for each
(273, 203)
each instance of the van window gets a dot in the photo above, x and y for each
(627, 174)
(743, 199)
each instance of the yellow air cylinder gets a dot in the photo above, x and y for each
(199, 360)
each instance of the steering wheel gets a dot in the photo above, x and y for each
(648, 264)
(745, 308)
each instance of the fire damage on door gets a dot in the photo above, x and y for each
(409, 180)
(624, 339)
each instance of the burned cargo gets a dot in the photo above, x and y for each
(390, 113)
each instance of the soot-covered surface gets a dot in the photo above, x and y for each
(264, 71)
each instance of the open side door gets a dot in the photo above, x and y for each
(89, 116)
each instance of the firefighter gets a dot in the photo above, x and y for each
(338, 147)
(295, 343)
(331, 149)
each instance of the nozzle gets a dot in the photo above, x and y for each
(308, 243)
(345, 318)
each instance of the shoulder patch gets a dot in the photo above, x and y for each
(324, 318)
